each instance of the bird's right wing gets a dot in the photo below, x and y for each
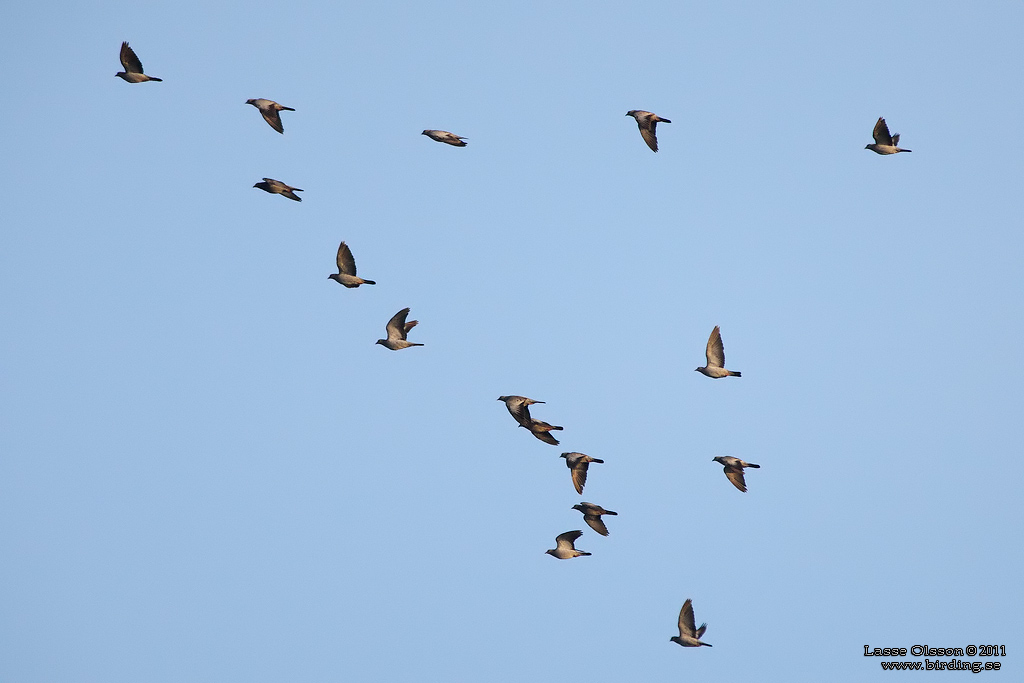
(596, 523)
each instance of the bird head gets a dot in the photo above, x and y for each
(423, 133)
(631, 112)
(867, 146)
(578, 507)
(564, 455)
(549, 552)
(696, 369)
(252, 102)
(380, 341)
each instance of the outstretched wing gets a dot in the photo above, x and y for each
(566, 540)
(649, 133)
(346, 264)
(715, 352)
(881, 133)
(396, 326)
(735, 475)
(687, 627)
(129, 60)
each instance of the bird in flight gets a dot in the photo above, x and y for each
(397, 329)
(689, 636)
(885, 143)
(518, 408)
(578, 463)
(715, 354)
(592, 516)
(564, 548)
(346, 274)
(271, 112)
(445, 137)
(734, 470)
(132, 67)
(277, 187)
(648, 124)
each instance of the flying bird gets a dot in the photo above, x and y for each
(445, 137)
(592, 516)
(397, 329)
(277, 187)
(689, 636)
(271, 112)
(578, 463)
(132, 67)
(734, 470)
(564, 548)
(518, 408)
(715, 355)
(648, 124)
(346, 274)
(884, 143)
(542, 430)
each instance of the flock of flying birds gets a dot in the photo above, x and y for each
(398, 328)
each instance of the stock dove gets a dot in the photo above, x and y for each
(648, 123)
(715, 355)
(689, 635)
(270, 110)
(277, 187)
(592, 516)
(564, 548)
(734, 470)
(346, 274)
(518, 408)
(132, 67)
(397, 328)
(578, 463)
(445, 137)
(884, 143)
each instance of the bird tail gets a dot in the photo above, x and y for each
(596, 460)
(609, 512)
(661, 120)
(735, 374)
(905, 150)
(161, 80)
(582, 554)
(558, 428)
(368, 282)
(287, 109)
(750, 464)
(414, 344)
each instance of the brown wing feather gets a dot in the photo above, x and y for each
(715, 352)
(687, 627)
(346, 264)
(881, 133)
(129, 60)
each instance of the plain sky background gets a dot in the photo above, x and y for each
(210, 473)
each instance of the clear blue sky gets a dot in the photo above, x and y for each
(210, 473)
